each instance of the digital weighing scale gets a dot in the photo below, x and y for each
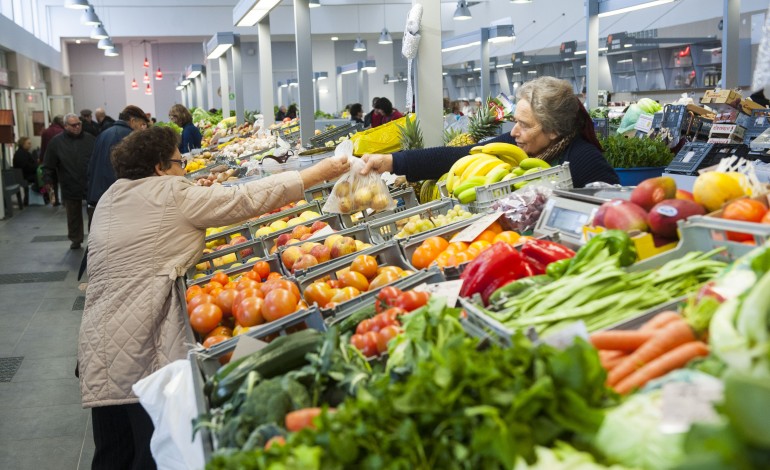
(567, 211)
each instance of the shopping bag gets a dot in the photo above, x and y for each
(381, 139)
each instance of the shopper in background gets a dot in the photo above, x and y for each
(466, 108)
(281, 113)
(67, 158)
(550, 124)
(291, 113)
(191, 136)
(24, 160)
(357, 113)
(88, 123)
(385, 110)
(372, 119)
(51, 192)
(154, 220)
(104, 121)
(101, 174)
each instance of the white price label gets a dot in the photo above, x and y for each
(564, 338)
(328, 230)
(469, 233)
(449, 289)
(389, 178)
(685, 403)
(644, 124)
(246, 345)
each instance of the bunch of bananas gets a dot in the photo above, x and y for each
(488, 164)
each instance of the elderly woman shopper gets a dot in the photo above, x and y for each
(148, 228)
(550, 124)
(191, 136)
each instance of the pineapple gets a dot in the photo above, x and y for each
(457, 138)
(410, 135)
(483, 124)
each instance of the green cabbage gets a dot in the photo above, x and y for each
(649, 106)
(563, 457)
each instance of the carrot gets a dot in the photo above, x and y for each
(660, 320)
(625, 340)
(609, 359)
(302, 418)
(666, 339)
(674, 359)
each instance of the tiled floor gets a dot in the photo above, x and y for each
(42, 425)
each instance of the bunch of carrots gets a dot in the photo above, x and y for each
(633, 358)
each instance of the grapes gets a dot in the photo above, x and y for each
(417, 224)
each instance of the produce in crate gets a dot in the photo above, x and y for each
(417, 224)
(218, 174)
(745, 210)
(298, 257)
(286, 222)
(298, 234)
(229, 259)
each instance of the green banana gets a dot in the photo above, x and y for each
(510, 176)
(518, 171)
(521, 184)
(470, 183)
(457, 169)
(497, 173)
(476, 149)
(533, 170)
(529, 163)
(467, 196)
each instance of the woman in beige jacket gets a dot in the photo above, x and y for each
(148, 228)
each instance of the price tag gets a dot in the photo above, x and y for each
(685, 403)
(449, 290)
(644, 124)
(328, 230)
(469, 233)
(564, 338)
(389, 178)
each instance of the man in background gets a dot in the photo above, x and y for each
(103, 120)
(66, 157)
(88, 123)
(56, 128)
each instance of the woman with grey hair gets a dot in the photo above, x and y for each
(550, 124)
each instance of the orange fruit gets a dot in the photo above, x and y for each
(438, 243)
(507, 236)
(480, 246)
(486, 235)
(462, 257)
(456, 247)
(495, 227)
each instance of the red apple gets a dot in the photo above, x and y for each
(290, 255)
(318, 225)
(238, 239)
(300, 230)
(665, 215)
(307, 246)
(283, 238)
(304, 262)
(343, 246)
(305, 236)
(322, 253)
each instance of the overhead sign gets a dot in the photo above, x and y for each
(567, 49)
(617, 41)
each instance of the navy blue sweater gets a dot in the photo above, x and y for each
(191, 138)
(101, 174)
(586, 162)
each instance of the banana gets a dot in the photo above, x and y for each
(529, 163)
(497, 173)
(470, 183)
(506, 152)
(532, 170)
(481, 161)
(457, 169)
(518, 171)
(509, 176)
(450, 181)
(486, 167)
(467, 196)
(476, 149)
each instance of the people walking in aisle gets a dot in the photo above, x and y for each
(101, 174)
(57, 127)
(291, 113)
(24, 160)
(191, 136)
(66, 158)
(385, 110)
(88, 123)
(103, 120)
(371, 115)
(281, 113)
(357, 113)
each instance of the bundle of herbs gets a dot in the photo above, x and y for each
(623, 152)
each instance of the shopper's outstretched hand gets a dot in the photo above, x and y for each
(378, 162)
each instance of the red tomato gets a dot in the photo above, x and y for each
(370, 344)
(211, 285)
(274, 275)
(262, 268)
(390, 332)
(244, 294)
(357, 341)
(192, 291)
(278, 304)
(220, 331)
(205, 317)
(199, 299)
(212, 340)
(412, 300)
(275, 441)
(364, 327)
(281, 284)
(301, 419)
(319, 292)
(249, 312)
(225, 301)
(747, 210)
(253, 275)
(386, 298)
(246, 283)
(382, 343)
(221, 278)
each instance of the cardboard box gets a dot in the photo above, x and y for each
(747, 106)
(700, 111)
(721, 97)
(732, 133)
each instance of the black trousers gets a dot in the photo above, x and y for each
(74, 209)
(122, 438)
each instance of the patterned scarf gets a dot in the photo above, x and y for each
(556, 149)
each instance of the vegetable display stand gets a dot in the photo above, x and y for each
(359, 233)
(643, 241)
(500, 334)
(384, 229)
(274, 263)
(216, 259)
(319, 191)
(701, 233)
(636, 322)
(405, 199)
(268, 241)
(430, 276)
(559, 176)
(634, 176)
(386, 254)
(256, 224)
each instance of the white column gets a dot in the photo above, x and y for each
(238, 80)
(224, 84)
(304, 44)
(486, 74)
(592, 53)
(266, 70)
(428, 73)
(730, 51)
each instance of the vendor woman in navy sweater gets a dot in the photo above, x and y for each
(550, 124)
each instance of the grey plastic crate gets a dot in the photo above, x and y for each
(560, 176)
(387, 254)
(408, 245)
(256, 224)
(273, 261)
(405, 199)
(360, 233)
(386, 228)
(481, 321)
(229, 232)
(268, 241)
(319, 191)
(636, 322)
(241, 255)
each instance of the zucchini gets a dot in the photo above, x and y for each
(350, 322)
(282, 355)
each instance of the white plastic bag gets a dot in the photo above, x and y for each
(168, 397)
(355, 192)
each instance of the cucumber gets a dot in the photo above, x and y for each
(282, 355)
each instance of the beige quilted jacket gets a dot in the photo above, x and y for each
(145, 234)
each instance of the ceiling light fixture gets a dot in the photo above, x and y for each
(111, 52)
(158, 74)
(194, 70)
(521, 1)
(606, 8)
(134, 85)
(99, 32)
(76, 4)
(462, 12)
(146, 78)
(359, 46)
(148, 90)
(368, 65)
(219, 44)
(89, 17)
(250, 12)
(385, 37)
(105, 43)
(179, 86)
(335, 38)
(314, 3)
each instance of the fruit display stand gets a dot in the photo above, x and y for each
(386, 254)
(387, 228)
(224, 236)
(218, 259)
(205, 362)
(408, 245)
(643, 241)
(332, 220)
(253, 226)
(319, 191)
(273, 261)
(405, 199)
(359, 234)
(333, 135)
(559, 176)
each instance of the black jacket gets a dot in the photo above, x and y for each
(586, 162)
(368, 118)
(90, 126)
(101, 174)
(67, 157)
(106, 123)
(24, 160)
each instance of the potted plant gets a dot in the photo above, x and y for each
(636, 159)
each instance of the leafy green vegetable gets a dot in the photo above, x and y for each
(563, 457)
(623, 152)
(171, 125)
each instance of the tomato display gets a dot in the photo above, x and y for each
(386, 298)
(205, 317)
(249, 312)
(198, 300)
(412, 300)
(373, 335)
(262, 268)
(225, 301)
(279, 303)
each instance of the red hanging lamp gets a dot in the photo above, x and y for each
(148, 90)
(146, 77)
(134, 85)
(158, 74)
(146, 63)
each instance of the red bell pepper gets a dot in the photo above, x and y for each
(545, 252)
(536, 266)
(494, 267)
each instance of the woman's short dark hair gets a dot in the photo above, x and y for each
(22, 140)
(356, 109)
(136, 155)
(132, 111)
(182, 115)
(384, 105)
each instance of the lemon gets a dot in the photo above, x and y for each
(713, 189)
